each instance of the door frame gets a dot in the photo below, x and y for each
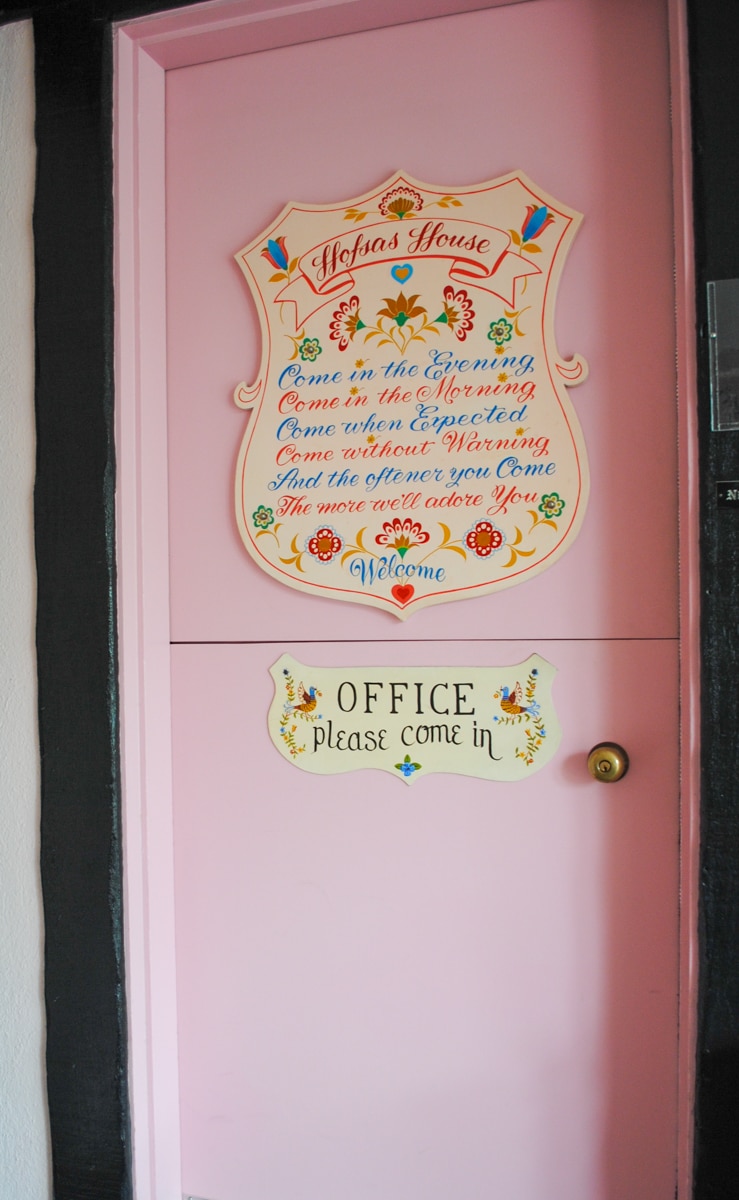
(76, 627)
(145, 49)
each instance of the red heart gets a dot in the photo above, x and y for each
(403, 592)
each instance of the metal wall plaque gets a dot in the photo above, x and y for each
(727, 493)
(723, 346)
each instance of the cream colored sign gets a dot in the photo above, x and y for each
(489, 722)
(411, 438)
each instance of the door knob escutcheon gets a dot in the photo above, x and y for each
(608, 762)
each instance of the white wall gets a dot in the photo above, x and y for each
(24, 1152)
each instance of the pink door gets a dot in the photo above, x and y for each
(464, 988)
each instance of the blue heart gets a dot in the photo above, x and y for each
(402, 273)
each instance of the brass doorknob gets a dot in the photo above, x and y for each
(608, 762)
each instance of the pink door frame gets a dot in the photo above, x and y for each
(145, 49)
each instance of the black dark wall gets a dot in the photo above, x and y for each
(81, 866)
(75, 634)
(714, 34)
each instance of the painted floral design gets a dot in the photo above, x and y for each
(287, 733)
(521, 707)
(309, 349)
(516, 544)
(409, 322)
(400, 203)
(324, 544)
(500, 332)
(406, 767)
(537, 219)
(346, 322)
(552, 505)
(401, 309)
(458, 313)
(263, 517)
(275, 253)
(305, 709)
(304, 347)
(402, 535)
(403, 320)
(484, 538)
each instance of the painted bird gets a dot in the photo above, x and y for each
(308, 699)
(511, 702)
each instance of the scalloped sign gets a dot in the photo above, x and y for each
(411, 440)
(487, 722)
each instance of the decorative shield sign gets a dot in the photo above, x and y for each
(488, 722)
(412, 440)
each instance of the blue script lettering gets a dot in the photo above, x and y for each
(429, 418)
(370, 569)
(294, 375)
(443, 361)
(293, 479)
(290, 430)
(512, 468)
(394, 475)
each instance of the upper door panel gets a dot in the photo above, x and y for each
(574, 93)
